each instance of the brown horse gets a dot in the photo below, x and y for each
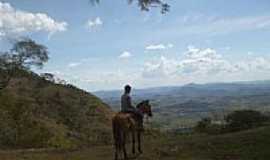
(125, 123)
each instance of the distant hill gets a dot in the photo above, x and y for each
(36, 113)
(181, 106)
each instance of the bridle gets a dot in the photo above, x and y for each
(144, 109)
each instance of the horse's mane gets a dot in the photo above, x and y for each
(140, 104)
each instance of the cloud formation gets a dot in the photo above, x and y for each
(74, 64)
(214, 25)
(94, 23)
(159, 46)
(16, 22)
(199, 65)
(203, 62)
(125, 55)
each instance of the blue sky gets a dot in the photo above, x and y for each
(105, 46)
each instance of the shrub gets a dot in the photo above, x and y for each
(244, 119)
(203, 125)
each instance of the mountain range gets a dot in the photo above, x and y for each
(180, 106)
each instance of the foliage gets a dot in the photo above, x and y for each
(203, 125)
(207, 126)
(244, 119)
(145, 5)
(36, 113)
(235, 121)
(52, 78)
(19, 127)
(48, 76)
(245, 145)
(24, 54)
(27, 53)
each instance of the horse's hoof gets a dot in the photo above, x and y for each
(140, 151)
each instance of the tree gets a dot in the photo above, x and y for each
(52, 78)
(145, 5)
(4, 70)
(244, 119)
(203, 125)
(24, 54)
(48, 76)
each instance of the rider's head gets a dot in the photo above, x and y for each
(127, 88)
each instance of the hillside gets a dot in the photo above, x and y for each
(183, 106)
(36, 113)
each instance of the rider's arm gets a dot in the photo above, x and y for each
(129, 102)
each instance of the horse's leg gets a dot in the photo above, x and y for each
(133, 142)
(116, 139)
(117, 148)
(124, 145)
(116, 151)
(139, 141)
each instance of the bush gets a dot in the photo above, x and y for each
(244, 119)
(203, 125)
(235, 121)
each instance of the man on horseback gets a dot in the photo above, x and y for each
(126, 107)
(129, 121)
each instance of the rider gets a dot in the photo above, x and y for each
(126, 106)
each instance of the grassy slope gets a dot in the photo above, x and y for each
(36, 113)
(246, 145)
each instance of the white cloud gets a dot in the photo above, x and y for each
(74, 64)
(125, 55)
(94, 23)
(155, 47)
(158, 69)
(170, 45)
(159, 46)
(204, 64)
(211, 25)
(199, 65)
(204, 61)
(14, 22)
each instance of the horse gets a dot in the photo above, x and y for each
(125, 123)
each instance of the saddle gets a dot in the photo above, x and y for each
(133, 118)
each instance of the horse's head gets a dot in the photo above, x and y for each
(145, 108)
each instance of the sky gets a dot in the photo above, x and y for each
(106, 46)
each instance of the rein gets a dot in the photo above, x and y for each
(144, 110)
(141, 108)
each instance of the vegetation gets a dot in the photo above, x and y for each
(43, 112)
(184, 106)
(35, 112)
(145, 5)
(244, 145)
(236, 121)
(25, 54)
(244, 119)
